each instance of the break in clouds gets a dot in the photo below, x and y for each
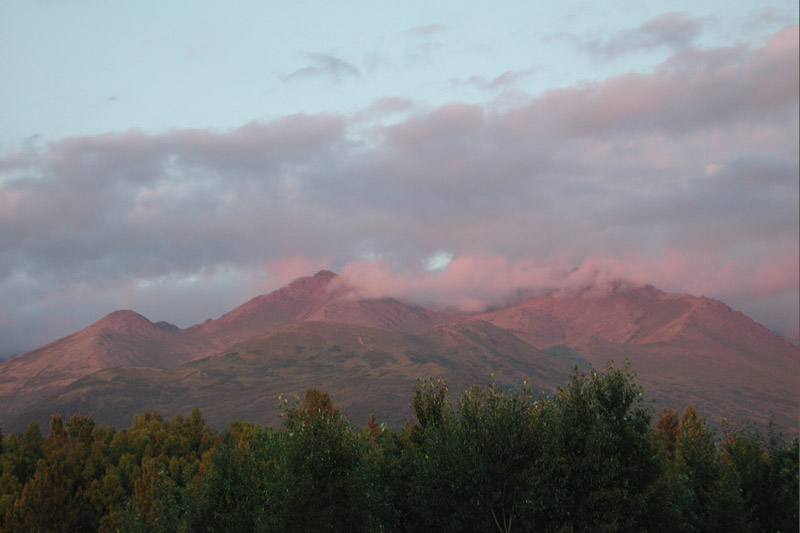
(684, 178)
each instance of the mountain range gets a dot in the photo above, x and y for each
(318, 332)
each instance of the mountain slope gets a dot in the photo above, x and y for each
(317, 331)
(367, 370)
(319, 298)
(122, 338)
(125, 338)
(685, 349)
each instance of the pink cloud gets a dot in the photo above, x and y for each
(474, 282)
(694, 87)
(470, 281)
(443, 123)
(784, 42)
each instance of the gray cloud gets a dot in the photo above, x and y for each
(684, 178)
(386, 106)
(326, 65)
(423, 42)
(506, 80)
(672, 30)
(427, 30)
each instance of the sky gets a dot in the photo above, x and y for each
(178, 158)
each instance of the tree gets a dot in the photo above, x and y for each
(497, 432)
(431, 402)
(234, 493)
(596, 471)
(319, 484)
(471, 469)
(30, 450)
(667, 429)
(766, 472)
(316, 403)
(47, 503)
(156, 504)
(715, 503)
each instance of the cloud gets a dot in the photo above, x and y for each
(476, 282)
(386, 107)
(690, 90)
(672, 30)
(684, 178)
(422, 42)
(487, 279)
(507, 80)
(325, 65)
(426, 30)
(765, 19)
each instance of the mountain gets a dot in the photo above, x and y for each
(122, 338)
(368, 370)
(318, 331)
(323, 298)
(685, 349)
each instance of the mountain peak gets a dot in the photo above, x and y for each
(123, 318)
(282, 305)
(325, 275)
(309, 286)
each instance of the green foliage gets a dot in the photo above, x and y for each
(586, 458)
(597, 470)
(319, 484)
(714, 503)
(472, 467)
(156, 503)
(234, 493)
(431, 403)
(766, 472)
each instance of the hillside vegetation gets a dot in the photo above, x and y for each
(590, 457)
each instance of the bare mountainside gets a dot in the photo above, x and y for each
(317, 331)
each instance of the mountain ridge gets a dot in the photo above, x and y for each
(685, 348)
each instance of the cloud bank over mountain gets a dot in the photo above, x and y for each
(684, 177)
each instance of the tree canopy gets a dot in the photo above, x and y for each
(593, 456)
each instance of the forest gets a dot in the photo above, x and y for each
(592, 456)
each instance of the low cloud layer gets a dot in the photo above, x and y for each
(684, 178)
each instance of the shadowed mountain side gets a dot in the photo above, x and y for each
(366, 370)
(675, 377)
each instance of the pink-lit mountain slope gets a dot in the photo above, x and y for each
(127, 339)
(366, 370)
(685, 349)
(122, 338)
(319, 298)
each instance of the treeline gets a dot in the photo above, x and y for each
(587, 458)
